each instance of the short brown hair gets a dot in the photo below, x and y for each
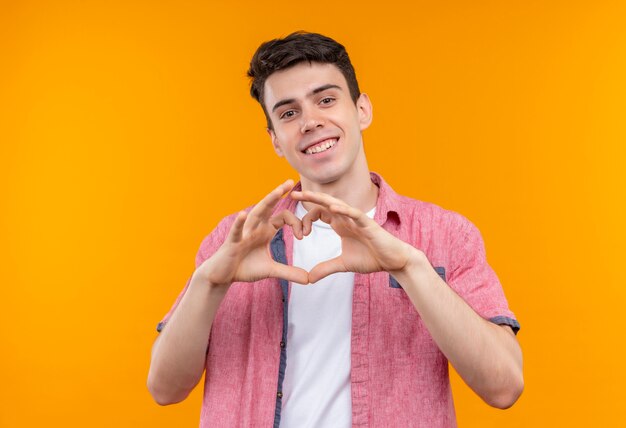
(279, 54)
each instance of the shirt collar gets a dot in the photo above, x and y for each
(388, 206)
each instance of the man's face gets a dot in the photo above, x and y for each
(317, 126)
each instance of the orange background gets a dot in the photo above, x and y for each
(127, 132)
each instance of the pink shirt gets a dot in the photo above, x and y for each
(399, 377)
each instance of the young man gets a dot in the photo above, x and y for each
(397, 287)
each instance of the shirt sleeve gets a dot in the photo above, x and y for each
(208, 247)
(474, 280)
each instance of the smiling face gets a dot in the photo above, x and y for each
(316, 125)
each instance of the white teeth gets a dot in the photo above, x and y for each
(321, 147)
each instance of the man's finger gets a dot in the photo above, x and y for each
(334, 205)
(236, 230)
(287, 217)
(359, 217)
(316, 197)
(290, 273)
(263, 210)
(307, 221)
(322, 270)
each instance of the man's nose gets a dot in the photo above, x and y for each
(310, 121)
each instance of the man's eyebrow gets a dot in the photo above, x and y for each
(323, 88)
(313, 92)
(282, 103)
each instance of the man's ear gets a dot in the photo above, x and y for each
(277, 148)
(364, 108)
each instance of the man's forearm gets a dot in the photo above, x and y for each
(179, 353)
(487, 356)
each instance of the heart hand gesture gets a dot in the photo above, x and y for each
(366, 247)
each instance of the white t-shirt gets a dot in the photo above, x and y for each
(316, 388)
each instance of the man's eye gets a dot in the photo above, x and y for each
(287, 114)
(327, 100)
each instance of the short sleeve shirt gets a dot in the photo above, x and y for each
(399, 377)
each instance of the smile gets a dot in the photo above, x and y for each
(321, 147)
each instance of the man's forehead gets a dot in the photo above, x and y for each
(301, 80)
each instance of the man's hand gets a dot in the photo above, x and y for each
(179, 353)
(365, 246)
(245, 255)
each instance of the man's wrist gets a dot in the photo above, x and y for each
(416, 265)
(202, 280)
